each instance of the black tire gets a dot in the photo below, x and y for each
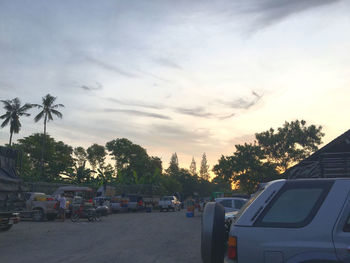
(74, 217)
(213, 233)
(6, 228)
(38, 215)
(98, 217)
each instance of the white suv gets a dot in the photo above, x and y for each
(291, 221)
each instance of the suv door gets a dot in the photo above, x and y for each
(341, 234)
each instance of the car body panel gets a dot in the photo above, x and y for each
(169, 202)
(311, 242)
(341, 234)
(38, 201)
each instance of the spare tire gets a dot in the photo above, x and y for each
(213, 233)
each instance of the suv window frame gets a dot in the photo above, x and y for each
(326, 185)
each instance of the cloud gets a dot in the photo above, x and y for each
(225, 117)
(202, 113)
(197, 112)
(136, 104)
(167, 63)
(138, 113)
(98, 86)
(242, 103)
(272, 11)
(110, 67)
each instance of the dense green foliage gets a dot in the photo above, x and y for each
(290, 144)
(57, 160)
(271, 154)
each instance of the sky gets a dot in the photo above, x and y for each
(177, 76)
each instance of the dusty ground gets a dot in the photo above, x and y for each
(131, 238)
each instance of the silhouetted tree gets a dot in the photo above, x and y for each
(193, 167)
(289, 144)
(173, 165)
(48, 110)
(14, 111)
(204, 170)
(96, 154)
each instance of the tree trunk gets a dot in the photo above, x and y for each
(43, 148)
(10, 138)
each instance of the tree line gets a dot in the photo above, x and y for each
(45, 159)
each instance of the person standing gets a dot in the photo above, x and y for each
(62, 207)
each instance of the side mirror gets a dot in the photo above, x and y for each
(213, 233)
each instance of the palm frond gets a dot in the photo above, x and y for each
(57, 106)
(48, 100)
(49, 115)
(16, 103)
(25, 107)
(39, 116)
(36, 106)
(7, 105)
(6, 121)
(57, 113)
(7, 114)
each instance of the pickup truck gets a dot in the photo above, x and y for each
(169, 203)
(287, 221)
(39, 206)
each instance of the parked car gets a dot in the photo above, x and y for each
(135, 202)
(169, 203)
(39, 206)
(291, 221)
(231, 204)
(119, 203)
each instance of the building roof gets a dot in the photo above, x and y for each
(332, 160)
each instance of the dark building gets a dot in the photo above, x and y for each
(9, 181)
(332, 160)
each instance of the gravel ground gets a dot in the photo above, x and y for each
(131, 238)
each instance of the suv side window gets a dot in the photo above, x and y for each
(347, 225)
(226, 203)
(239, 204)
(295, 205)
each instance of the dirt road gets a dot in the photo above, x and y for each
(131, 238)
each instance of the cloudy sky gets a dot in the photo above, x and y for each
(177, 76)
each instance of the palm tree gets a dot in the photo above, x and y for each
(48, 109)
(14, 110)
